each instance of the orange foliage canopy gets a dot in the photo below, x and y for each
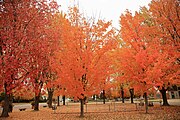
(24, 43)
(82, 62)
(149, 53)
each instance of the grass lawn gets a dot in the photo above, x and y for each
(93, 111)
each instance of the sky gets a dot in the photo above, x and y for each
(105, 9)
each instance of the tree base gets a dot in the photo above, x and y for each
(81, 116)
(165, 105)
(4, 116)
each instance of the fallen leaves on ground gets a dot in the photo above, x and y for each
(99, 112)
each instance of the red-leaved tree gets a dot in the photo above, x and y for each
(22, 44)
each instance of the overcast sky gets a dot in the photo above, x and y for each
(105, 9)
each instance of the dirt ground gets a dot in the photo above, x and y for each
(109, 111)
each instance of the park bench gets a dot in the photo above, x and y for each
(140, 102)
(22, 109)
(54, 107)
(151, 102)
(44, 105)
(139, 105)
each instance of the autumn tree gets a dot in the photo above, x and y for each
(137, 55)
(165, 16)
(148, 54)
(83, 63)
(50, 86)
(23, 27)
(40, 45)
(13, 27)
(59, 24)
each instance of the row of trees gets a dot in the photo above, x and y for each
(150, 47)
(149, 52)
(42, 48)
(25, 46)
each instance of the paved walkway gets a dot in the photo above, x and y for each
(22, 105)
(174, 102)
(170, 101)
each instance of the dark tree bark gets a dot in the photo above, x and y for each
(36, 104)
(50, 95)
(64, 100)
(5, 104)
(104, 97)
(1, 52)
(94, 96)
(58, 104)
(163, 93)
(132, 94)
(146, 102)
(122, 94)
(82, 108)
(10, 103)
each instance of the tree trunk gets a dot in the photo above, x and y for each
(50, 95)
(82, 108)
(1, 51)
(146, 102)
(64, 100)
(94, 96)
(10, 102)
(36, 105)
(5, 106)
(6, 103)
(122, 94)
(58, 101)
(163, 93)
(132, 94)
(104, 97)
